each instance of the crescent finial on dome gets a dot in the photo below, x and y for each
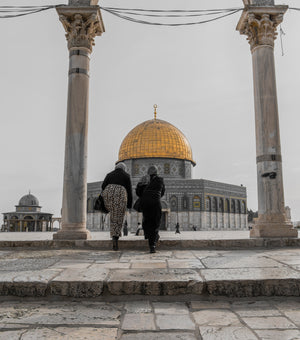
(155, 113)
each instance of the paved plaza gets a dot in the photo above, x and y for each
(136, 319)
(234, 291)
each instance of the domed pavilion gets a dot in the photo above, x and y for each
(27, 217)
(194, 203)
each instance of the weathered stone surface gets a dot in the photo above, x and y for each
(11, 335)
(66, 333)
(72, 264)
(61, 313)
(193, 264)
(210, 305)
(26, 283)
(282, 334)
(240, 262)
(140, 321)
(160, 336)
(252, 281)
(222, 333)
(294, 316)
(149, 264)
(257, 308)
(79, 282)
(220, 318)
(174, 321)
(170, 308)
(138, 307)
(155, 282)
(26, 264)
(269, 322)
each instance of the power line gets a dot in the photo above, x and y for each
(132, 14)
(123, 14)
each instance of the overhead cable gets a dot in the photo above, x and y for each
(126, 16)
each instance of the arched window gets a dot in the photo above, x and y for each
(233, 206)
(185, 203)
(214, 204)
(238, 206)
(174, 203)
(243, 208)
(196, 203)
(29, 223)
(221, 205)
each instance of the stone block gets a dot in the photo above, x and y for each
(155, 282)
(79, 282)
(174, 321)
(170, 308)
(282, 334)
(140, 321)
(246, 282)
(218, 318)
(269, 322)
(63, 333)
(138, 307)
(27, 283)
(221, 333)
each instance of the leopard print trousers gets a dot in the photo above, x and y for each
(115, 200)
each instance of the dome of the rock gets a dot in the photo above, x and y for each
(155, 138)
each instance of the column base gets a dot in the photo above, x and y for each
(72, 235)
(273, 230)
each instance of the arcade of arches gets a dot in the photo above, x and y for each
(28, 217)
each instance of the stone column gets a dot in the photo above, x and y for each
(259, 22)
(82, 22)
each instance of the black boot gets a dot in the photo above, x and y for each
(115, 243)
(152, 250)
(152, 245)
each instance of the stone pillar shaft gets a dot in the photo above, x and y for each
(82, 23)
(75, 173)
(259, 23)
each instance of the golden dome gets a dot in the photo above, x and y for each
(155, 138)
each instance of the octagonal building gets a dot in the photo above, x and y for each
(194, 203)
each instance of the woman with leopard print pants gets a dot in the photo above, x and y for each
(117, 195)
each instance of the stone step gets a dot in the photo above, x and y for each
(51, 276)
(147, 283)
(140, 243)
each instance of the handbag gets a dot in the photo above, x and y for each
(99, 205)
(137, 205)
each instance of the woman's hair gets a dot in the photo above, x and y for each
(121, 165)
(152, 170)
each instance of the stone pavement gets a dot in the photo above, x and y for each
(150, 319)
(168, 240)
(92, 273)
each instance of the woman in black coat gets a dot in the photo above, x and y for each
(117, 195)
(150, 195)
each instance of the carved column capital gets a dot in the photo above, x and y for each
(260, 23)
(82, 25)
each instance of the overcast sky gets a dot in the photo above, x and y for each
(199, 76)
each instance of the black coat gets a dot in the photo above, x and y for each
(154, 190)
(120, 177)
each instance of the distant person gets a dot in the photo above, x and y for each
(150, 195)
(125, 229)
(177, 231)
(117, 195)
(139, 228)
